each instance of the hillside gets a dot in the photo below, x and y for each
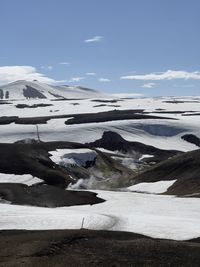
(185, 169)
(36, 90)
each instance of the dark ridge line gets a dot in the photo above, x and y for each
(92, 117)
(192, 114)
(191, 138)
(113, 115)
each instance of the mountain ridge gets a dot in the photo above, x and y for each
(23, 89)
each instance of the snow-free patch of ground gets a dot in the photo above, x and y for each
(152, 188)
(152, 215)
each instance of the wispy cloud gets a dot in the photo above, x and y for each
(148, 85)
(29, 73)
(76, 79)
(167, 75)
(104, 80)
(94, 39)
(128, 95)
(64, 63)
(91, 73)
(47, 67)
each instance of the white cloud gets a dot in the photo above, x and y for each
(61, 81)
(128, 95)
(167, 75)
(29, 73)
(94, 39)
(47, 67)
(64, 63)
(76, 79)
(148, 85)
(91, 73)
(103, 80)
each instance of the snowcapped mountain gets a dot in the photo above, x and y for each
(28, 90)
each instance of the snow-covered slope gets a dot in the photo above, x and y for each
(164, 134)
(152, 215)
(27, 90)
(146, 212)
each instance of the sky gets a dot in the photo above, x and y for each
(148, 47)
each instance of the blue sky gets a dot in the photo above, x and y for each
(149, 47)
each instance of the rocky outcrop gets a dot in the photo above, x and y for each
(46, 196)
(184, 168)
(191, 138)
(114, 142)
(31, 92)
(113, 115)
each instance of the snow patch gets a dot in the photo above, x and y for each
(22, 179)
(145, 156)
(79, 157)
(157, 216)
(153, 188)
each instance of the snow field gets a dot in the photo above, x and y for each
(153, 215)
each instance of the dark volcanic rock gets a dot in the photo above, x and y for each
(33, 120)
(185, 168)
(1, 94)
(7, 120)
(33, 106)
(100, 105)
(191, 114)
(74, 104)
(104, 105)
(170, 112)
(174, 101)
(105, 100)
(33, 159)
(112, 115)
(45, 195)
(113, 141)
(94, 248)
(57, 96)
(82, 118)
(191, 138)
(31, 92)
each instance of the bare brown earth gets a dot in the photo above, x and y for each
(93, 248)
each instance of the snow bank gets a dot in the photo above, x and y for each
(152, 215)
(154, 188)
(23, 179)
(78, 157)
